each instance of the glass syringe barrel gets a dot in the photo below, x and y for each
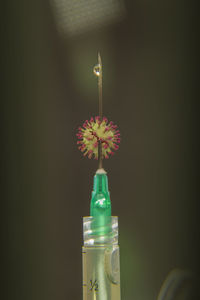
(101, 267)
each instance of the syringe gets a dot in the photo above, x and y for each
(101, 267)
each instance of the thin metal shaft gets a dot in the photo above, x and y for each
(100, 156)
(98, 73)
(100, 86)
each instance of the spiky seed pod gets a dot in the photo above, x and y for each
(98, 131)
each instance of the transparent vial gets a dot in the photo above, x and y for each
(101, 266)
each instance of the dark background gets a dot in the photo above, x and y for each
(149, 90)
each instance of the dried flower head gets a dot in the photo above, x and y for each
(98, 131)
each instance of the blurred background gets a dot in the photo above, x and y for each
(149, 69)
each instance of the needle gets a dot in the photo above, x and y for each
(98, 72)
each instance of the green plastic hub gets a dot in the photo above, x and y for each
(100, 202)
(100, 207)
